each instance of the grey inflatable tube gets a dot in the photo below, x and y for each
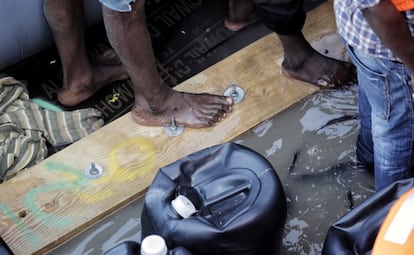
(25, 31)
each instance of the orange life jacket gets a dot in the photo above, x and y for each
(403, 5)
(396, 235)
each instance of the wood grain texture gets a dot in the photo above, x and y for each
(53, 201)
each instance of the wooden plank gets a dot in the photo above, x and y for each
(52, 201)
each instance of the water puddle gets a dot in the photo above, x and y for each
(312, 148)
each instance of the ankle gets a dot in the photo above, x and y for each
(157, 101)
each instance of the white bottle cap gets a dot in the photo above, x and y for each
(183, 206)
(153, 245)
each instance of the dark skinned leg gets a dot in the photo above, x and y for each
(286, 18)
(241, 13)
(304, 63)
(81, 79)
(155, 103)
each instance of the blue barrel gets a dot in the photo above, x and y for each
(237, 203)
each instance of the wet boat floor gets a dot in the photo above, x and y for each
(311, 145)
(312, 149)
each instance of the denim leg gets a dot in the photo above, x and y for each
(118, 5)
(365, 153)
(385, 104)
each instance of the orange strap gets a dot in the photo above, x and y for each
(396, 235)
(403, 5)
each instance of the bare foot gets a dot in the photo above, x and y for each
(106, 69)
(190, 110)
(241, 14)
(322, 71)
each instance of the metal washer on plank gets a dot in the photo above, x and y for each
(93, 171)
(236, 92)
(173, 129)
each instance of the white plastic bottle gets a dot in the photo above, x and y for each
(153, 245)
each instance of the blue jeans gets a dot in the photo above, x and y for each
(118, 5)
(386, 110)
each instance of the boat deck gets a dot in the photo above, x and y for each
(291, 123)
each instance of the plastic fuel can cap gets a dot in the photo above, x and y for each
(183, 206)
